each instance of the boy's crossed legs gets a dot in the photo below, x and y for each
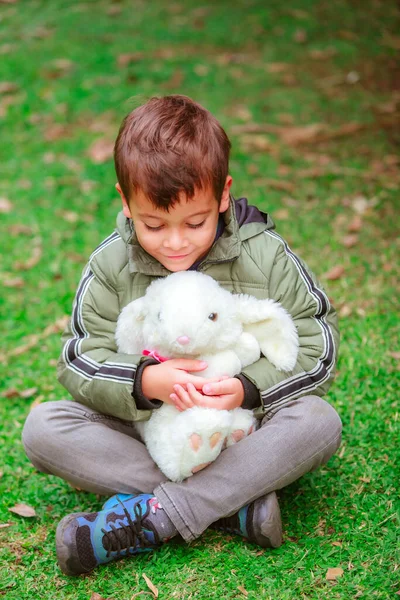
(102, 454)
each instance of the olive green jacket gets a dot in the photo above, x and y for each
(249, 257)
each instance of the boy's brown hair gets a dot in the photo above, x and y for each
(171, 145)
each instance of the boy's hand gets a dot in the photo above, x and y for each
(158, 380)
(225, 394)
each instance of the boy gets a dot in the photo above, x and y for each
(171, 159)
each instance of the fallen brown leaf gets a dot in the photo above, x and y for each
(123, 60)
(69, 215)
(243, 590)
(300, 36)
(256, 143)
(337, 544)
(31, 341)
(20, 229)
(150, 585)
(350, 240)
(201, 70)
(5, 205)
(345, 311)
(395, 355)
(322, 54)
(64, 64)
(276, 184)
(31, 262)
(15, 282)
(28, 393)
(333, 573)
(8, 87)
(96, 596)
(282, 214)
(176, 80)
(38, 400)
(355, 224)
(278, 67)
(56, 131)
(101, 150)
(4, 525)
(334, 273)
(11, 393)
(23, 510)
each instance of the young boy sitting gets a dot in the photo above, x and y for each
(171, 159)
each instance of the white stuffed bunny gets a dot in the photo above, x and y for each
(189, 315)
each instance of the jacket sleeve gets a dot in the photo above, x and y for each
(90, 367)
(295, 287)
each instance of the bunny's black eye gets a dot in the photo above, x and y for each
(213, 316)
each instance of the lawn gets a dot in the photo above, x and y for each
(309, 92)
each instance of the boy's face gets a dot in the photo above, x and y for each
(177, 238)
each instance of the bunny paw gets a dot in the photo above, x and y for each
(243, 424)
(200, 447)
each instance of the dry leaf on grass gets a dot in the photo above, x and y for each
(243, 590)
(31, 341)
(334, 273)
(276, 184)
(4, 525)
(15, 282)
(333, 573)
(23, 510)
(395, 355)
(36, 255)
(28, 393)
(5, 205)
(350, 240)
(355, 224)
(282, 214)
(96, 596)
(8, 87)
(123, 60)
(278, 67)
(20, 229)
(337, 544)
(101, 150)
(150, 585)
(11, 393)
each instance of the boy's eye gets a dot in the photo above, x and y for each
(153, 228)
(213, 316)
(197, 225)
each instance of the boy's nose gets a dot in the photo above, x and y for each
(183, 340)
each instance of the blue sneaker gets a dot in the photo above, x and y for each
(122, 528)
(258, 522)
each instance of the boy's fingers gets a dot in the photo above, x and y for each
(187, 364)
(216, 389)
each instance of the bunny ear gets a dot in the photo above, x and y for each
(128, 333)
(273, 328)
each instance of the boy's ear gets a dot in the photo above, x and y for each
(225, 198)
(125, 206)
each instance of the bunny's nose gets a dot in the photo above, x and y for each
(183, 340)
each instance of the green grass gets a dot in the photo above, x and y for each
(344, 515)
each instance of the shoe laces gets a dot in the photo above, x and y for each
(229, 524)
(126, 536)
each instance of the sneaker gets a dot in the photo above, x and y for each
(123, 528)
(258, 522)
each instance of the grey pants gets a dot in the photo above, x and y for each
(105, 455)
